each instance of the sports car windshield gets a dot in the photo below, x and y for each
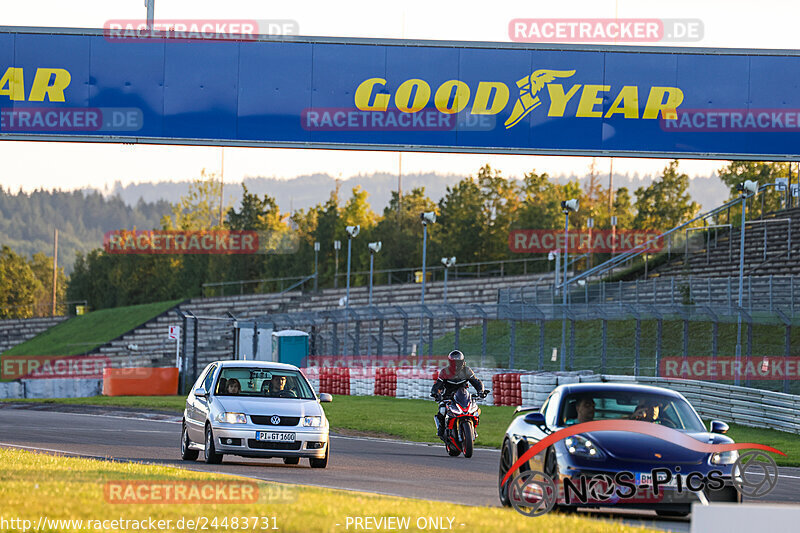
(262, 382)
(629, 405)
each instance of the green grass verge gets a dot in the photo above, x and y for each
(82, 334)
(413, 420)
(66, 488)
(768, 340)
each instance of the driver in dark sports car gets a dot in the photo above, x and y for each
(451, 378)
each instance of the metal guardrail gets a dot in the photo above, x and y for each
(740, 405)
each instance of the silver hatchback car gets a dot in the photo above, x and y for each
(255, 409)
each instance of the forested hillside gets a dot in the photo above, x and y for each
(27, 220)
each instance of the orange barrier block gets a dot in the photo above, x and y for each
(140, 381)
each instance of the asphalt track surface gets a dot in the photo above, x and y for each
(364, 464)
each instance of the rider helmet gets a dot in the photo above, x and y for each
(456, 360)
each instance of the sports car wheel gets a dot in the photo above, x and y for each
(505, 465)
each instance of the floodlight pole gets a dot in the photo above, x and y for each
(371, 261)
(564, 295)
(336, 246)
(316, 266)
(445, 284)
(151, 8)
(347, 293)
(741, 287)
(422, 296)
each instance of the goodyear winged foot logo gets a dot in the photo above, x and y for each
(528, 87)
(491, 97)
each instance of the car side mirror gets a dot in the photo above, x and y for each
(717, 426)
(200, 392)
(535, 419)
(324, 397)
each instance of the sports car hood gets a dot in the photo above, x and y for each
(627, 446)
(270, 406)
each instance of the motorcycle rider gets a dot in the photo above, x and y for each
(452, 378)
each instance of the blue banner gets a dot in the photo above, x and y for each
(427, 96)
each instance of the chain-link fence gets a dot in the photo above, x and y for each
(621, 338)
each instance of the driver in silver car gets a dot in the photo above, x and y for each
(276, 387)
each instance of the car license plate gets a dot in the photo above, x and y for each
(646, 478)
(275, 436)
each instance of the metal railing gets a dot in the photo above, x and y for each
(476, 270)
(761, 293)
(279, 283)
(644, 248)
(40, 309)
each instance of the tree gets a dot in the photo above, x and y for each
(19, 287)
(42, 267)
(401, 231)
(199, 208)
(665, 203)
(501, 201)
(461, 222)
(735, 172)
(623, 208)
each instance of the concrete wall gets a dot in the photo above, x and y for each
(51, 388)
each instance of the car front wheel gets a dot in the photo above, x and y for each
(212, 457)
(321, 463)
(187, 454)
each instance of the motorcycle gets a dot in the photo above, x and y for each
(462, 416)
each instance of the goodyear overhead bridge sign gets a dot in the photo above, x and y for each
(410, 95)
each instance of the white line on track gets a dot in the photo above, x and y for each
(38, 449)
(409, 443)
(176, 420)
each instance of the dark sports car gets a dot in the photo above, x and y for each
(601, 455)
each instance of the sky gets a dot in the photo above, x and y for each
(31, 165)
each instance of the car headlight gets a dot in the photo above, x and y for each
(724, 458)
(583, 447)
(232, 418)
(312, 421)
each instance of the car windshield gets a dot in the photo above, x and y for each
(262, 382)
(629, 405)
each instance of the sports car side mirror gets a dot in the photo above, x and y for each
(325, 397)
(200, 392)
(535, 419)
(718, 426)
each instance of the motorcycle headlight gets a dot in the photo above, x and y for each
(583, 447)
(453, 408)
(232, 418)
(312, 421)
(724, 458)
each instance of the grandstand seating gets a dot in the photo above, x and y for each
(17, 331)
(720, 257)
(215, 337)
